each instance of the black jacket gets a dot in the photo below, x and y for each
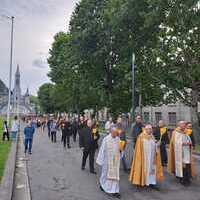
(74, 126)
(86, 139)
(66, 128)
(165, 137)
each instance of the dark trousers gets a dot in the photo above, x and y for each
(6, 134)
(74, 135)
(186, 174)
(163, 153)
(124, 162)
(49, 132)
(53, 136)
(28, 145)
(66, 138)
(91, 153)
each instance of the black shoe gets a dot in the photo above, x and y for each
(30, 153)
(154, 187)
(69, 147)
(93, 172)
(101, 188)
(186, 183)
(117, 195)
(83, 168)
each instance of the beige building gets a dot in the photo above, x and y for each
(171, 114)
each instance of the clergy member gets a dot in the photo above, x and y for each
(109, 159)
(180, 155)
(146, 167)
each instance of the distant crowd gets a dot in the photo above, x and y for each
(153, 148)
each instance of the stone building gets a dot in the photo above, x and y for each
(19, 103)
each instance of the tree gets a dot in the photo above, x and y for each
(35, 101)
(92, 62)
(46, 99)
(177, 58)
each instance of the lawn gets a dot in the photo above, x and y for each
(197, 148)
(4, 150)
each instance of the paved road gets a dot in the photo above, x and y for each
(55, 175)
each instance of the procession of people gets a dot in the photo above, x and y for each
(154, 149)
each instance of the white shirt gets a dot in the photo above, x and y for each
(14, 127)
(108, 126)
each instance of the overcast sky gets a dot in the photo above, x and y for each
(36, 22)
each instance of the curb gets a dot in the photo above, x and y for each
(6, 187)
(28, 193)
(196, 153)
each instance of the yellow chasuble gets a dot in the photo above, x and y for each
(122, 145)
(163, 130)
(172, 161)
(138, 174)
(94, 132)
(188, 131)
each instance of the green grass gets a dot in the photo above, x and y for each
(197, 148)
(4, 150)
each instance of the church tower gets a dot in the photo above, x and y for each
(17, 88)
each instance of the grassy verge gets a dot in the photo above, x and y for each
(4, 150)
(197, 148)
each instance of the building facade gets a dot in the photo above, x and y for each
(19, 103)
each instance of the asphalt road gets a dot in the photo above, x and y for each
(55, 174)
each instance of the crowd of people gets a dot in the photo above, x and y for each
(153, 148)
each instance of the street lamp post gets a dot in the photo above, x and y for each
(10, 73)
(133, 85)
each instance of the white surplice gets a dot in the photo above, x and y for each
(182, 152)
(149, 159)
(109, 158)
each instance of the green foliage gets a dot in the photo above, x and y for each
(4, 150)
(91, 64)
(35, 101)
(46, 98)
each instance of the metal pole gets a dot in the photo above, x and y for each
(10, 74)
(133, 86)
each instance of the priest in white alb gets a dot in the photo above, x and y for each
(109, 159)
(181, 162)
(146, 169)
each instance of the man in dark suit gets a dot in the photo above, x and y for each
(66, 132)
(87, 143)
(161, 136)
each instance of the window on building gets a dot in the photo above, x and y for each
(146, 117)
(158, 116)
(172, 118)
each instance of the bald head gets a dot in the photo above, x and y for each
(149, 129)
(161, 123)
(182, 125)
(114, 131)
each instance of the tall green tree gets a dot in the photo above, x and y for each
(177, 55)
(45, 97)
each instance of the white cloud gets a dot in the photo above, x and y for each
(36, 22)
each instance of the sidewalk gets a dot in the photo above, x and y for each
(55, 174)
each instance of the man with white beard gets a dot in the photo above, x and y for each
(109, 159)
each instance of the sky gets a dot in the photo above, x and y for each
(36, 23)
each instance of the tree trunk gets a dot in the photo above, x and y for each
(195, 115)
